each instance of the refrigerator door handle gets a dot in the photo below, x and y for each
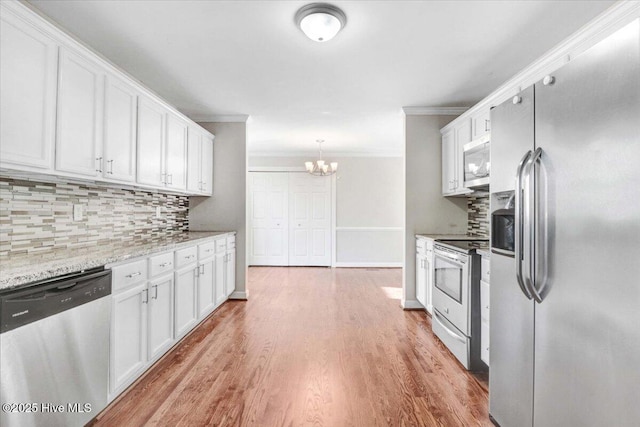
(519, 226)
(539, 275)
(530, 224)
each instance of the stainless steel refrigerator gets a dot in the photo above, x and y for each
(565, 307)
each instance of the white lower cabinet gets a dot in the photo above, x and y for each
(159, 299)
(421, 280)
(185, 296)
(484, 310)
(128, 337)
(206, 286)
(424, 272)
(160, 325)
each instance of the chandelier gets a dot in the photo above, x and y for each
(319, 167)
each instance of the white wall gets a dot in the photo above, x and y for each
(226, 209)
(426, 211)
(369, 207)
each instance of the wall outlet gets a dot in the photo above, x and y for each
(77, 212)
(158, 212)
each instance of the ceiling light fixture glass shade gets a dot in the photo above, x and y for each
(320, 167)
(320, 21)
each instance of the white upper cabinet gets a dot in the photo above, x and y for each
(199, 162)
(480, 123)
(80, 115)
(151, 135)
(28, 72)
(176, 153)
(453, 157)
(66, 111)
(120, 130)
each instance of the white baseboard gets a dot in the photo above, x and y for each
(239, 295)
(369, 264)
(411, 304)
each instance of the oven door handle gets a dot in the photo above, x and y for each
(437, 316)
(448, 256)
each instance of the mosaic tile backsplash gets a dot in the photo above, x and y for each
(478, 216)
(36, 217)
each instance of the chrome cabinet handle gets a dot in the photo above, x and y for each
(170, 179)
(129, 276)
(164, 264)
(156, 292)
(163, 178)
(201, 267)
(196, 271)
(110, 171)
(188, 257)
(486, 125)
(519, 226)
(146, 296)
(99, 160)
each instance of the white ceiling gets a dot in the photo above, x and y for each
(248, 57)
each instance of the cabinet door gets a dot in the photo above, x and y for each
(220, 272)
(128, 336)
(160, 328)
(206, 168)
(28, 71)
(186, 310)
(80, 115)
(194, 161)
(206, 287)
(428, 262)
(176, 171)
(151, 134)
(120, 130)
(448, 162)
(480, 123)
(421, 290)
(230, 279)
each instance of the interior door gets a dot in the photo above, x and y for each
(269, 215)
(309, 220)
(587, 328)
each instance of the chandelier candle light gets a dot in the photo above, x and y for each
(319, 167)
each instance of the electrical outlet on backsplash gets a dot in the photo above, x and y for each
(478, 216)
(36, 217)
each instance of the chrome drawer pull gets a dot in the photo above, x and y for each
(129, 276)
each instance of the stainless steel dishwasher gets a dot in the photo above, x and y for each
(54, 350)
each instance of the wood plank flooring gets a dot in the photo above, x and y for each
(312, 346)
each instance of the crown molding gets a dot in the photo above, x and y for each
(615, 17)
(326, 154)
(219, 118)
(434, 111)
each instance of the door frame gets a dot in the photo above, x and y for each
(332, 197)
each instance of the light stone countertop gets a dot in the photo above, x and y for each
(22, 269)
(449, 237)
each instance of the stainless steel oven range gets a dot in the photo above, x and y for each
(456, 299)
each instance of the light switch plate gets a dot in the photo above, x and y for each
(77, 212)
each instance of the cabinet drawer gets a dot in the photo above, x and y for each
(205, 250)
(221, 245)
(484, 342)
(421, 246)
(485, 269)
(186, 256)
(159, 264)
(231, 242)
(129, 274)
(484, 301)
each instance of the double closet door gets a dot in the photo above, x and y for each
(290, 219)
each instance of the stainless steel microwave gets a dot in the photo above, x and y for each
(477, 163)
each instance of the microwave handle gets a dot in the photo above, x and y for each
(519, 226)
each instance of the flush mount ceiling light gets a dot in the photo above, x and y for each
(319, 167)
(320, 21)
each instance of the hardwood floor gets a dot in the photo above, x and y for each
(312, 346)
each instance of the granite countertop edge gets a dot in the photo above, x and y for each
(25, 272)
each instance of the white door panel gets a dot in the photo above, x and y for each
(269, 218)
